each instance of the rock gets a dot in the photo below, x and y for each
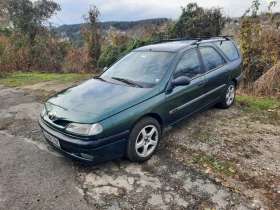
(130, 180)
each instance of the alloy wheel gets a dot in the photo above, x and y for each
(230, 95)
(147, 141)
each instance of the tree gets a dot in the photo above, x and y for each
(92, 35)
(196, 21)
(3, 14)
(28, 17)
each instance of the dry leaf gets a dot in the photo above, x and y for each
(229, 139)
(271, 110)
(225, 184)
(205, 165)
(116, 193)
(231, 170)
(218, 180)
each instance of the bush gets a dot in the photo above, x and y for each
(114, 53)
(46, 54)
(259, 45)
(269, 83)
(197, 21)
(77, 61)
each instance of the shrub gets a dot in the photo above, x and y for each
(114, 53)
(259, 44)
(77, 61)
(269, 83)
(197, 21)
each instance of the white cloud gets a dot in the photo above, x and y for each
(128, 10)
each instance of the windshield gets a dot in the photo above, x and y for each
(142, 69)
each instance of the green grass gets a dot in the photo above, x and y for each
(266, 107)
(204, 136)
(257, 105)
(211, 162)
(22, 79)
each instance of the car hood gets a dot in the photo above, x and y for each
(94, 100)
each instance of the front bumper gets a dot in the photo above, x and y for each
(102, 150)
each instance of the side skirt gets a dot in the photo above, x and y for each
(170, 127)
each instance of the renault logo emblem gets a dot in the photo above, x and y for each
(52, 116)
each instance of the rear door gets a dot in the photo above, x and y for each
(184, 100)
(217, 73)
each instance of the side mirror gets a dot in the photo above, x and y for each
(105, 68)
(181, 81)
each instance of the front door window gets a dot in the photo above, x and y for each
(188, 65)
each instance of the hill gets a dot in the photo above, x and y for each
(72, 32)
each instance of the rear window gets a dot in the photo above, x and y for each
(228, 48)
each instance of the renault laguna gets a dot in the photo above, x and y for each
(124, 111)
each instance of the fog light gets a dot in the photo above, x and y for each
(87, 156)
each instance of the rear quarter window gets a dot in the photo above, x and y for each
(228, 48)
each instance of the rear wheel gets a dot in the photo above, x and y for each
(143, 140)
(228, 97)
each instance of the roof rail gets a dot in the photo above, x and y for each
(174, 40)
(196, 39)
(211, 39)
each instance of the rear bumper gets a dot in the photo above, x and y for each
(238, 79)
(102, 150)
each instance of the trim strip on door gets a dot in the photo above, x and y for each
(195, 100)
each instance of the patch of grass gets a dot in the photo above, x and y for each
(22, 79)
(257, 105)
(42, 95)
(207, 161)
(204, 136)
(5, 126)
(268, 107)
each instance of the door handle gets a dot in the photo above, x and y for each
(200, 84)
(227, 71)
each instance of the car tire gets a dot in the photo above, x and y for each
(228, 96)
(143, 140)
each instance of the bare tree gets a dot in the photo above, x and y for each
(92, 34)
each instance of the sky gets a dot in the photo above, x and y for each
(131, 10)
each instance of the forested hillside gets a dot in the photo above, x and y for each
(72, 32)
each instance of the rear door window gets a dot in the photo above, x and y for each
(228, 48)
(211, 58)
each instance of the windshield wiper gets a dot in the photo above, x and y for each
(100, 79)
(127, 81)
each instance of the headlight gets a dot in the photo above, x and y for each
(84, 129)
(43, 112)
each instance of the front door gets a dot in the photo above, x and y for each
(184, 100)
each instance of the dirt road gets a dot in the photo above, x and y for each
(35, 177)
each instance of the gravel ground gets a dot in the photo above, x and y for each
(33, 176)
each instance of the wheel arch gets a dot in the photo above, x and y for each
(157, 117)
(235, 81)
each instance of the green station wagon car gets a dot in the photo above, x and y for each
(125, 110)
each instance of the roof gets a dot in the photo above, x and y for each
(174, 46)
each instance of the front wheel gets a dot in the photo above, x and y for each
(228, 96)
(143, 140)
